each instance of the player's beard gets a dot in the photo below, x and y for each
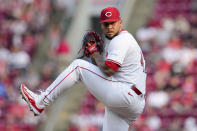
(110, 38)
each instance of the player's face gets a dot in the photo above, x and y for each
(111, 29)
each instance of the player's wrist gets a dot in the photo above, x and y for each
(94, 54)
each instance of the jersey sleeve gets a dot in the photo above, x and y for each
(117, 50)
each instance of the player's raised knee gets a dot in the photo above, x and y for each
(80, 62)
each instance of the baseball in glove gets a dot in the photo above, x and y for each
(92, 42)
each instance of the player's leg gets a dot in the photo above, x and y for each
(65, 80)
(114, 122)
(124, 115)
(98, 84)
(119, 118)
(106, 90)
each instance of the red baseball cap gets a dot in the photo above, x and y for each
(110, 14)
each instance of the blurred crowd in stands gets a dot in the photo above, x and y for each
(169, 43)
(23, 25)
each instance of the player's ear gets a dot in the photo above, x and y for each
(120, 24)
(120, 21)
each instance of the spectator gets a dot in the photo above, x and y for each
(18, 59)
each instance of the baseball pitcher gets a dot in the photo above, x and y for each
(118, 80)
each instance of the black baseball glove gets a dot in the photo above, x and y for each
(92, 42)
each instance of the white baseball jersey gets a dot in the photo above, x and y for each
(125, 51)
(123, 105)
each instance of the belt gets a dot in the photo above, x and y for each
(138, 92)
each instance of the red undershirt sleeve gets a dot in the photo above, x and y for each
(112, 65)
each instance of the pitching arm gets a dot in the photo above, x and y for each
(104, 67)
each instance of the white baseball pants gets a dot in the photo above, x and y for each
(121, 108)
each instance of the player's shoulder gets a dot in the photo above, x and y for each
(123, 37)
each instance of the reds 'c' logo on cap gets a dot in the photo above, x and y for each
(108, 14)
